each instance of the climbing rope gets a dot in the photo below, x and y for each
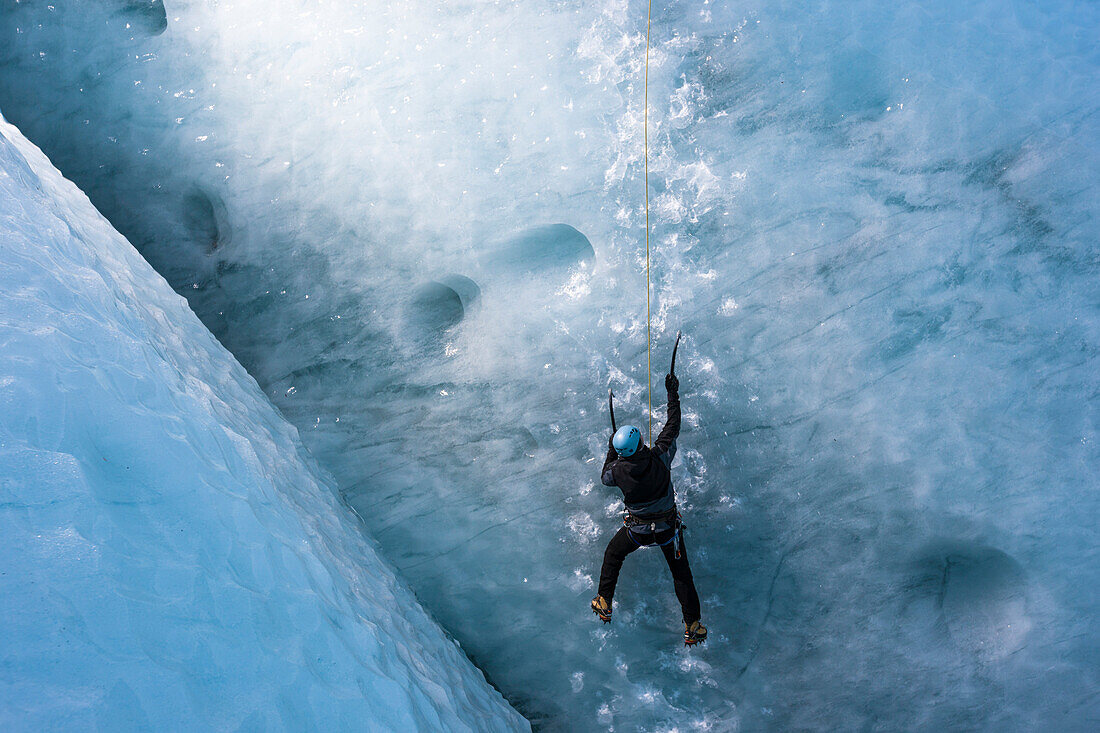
(645, 137)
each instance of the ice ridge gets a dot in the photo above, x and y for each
(172, 558)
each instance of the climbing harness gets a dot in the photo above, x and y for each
(672, 518)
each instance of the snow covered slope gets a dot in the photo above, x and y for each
(171, 556)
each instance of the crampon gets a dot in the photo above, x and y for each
(694, 634)
(602, 608)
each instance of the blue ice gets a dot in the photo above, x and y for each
(875, 223)
(173, 559)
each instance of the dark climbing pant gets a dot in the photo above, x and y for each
(622, 545)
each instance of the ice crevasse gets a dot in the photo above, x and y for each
(172, 558)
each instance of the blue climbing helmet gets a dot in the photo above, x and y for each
(627, 440)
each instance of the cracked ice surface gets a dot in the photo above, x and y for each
(172, 557)
(876, 223)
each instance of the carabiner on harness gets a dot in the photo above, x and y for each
(671, 517)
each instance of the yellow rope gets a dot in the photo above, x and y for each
(645, 127)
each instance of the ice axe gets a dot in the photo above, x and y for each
(611, 394)
(611, 408)
(672, 369)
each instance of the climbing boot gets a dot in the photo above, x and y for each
(602, 608)
(694, 633)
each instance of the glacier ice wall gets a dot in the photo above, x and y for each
(172, 557)
(876, 223)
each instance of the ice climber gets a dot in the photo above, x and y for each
(651, 517)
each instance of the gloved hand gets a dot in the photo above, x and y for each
(610, 442)
(672, 384)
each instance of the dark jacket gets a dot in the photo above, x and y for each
(644, 477)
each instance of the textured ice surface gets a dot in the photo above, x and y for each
(172, 557)
(876, 224)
